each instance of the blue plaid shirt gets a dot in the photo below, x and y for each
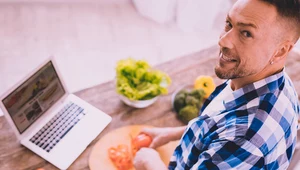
(256, 130)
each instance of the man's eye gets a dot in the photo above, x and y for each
(228, 26)
(247, 34)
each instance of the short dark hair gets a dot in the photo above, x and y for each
(289, 9)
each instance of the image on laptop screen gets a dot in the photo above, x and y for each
(31, 99)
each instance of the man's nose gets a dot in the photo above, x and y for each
(225, 40)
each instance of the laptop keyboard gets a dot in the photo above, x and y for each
(58, 126)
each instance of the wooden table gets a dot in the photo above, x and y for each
(182, 70)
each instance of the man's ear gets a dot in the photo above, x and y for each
(282, 51)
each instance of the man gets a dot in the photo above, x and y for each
(250, 121)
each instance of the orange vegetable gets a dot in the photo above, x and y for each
(141, 140)
(121, 157)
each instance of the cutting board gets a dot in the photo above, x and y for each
(99, 158)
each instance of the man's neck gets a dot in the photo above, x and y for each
(243, 81)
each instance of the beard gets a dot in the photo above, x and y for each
(229, 74)
(237, 71)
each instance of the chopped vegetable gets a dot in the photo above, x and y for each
(121, 157)
(138, 81)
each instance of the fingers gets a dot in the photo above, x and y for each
(148, 159)
(143, 157)
(138, 161)
(153, 143)
(157, 135)
(148, 131)
(153, 134)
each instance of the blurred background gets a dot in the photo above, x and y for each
(88, 37)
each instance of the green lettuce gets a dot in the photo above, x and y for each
(136, 80)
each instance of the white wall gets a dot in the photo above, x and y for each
(297, 46)
(87, 39)
(65, 1)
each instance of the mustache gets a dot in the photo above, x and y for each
(227, 52)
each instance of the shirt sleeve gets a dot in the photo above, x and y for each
(238, 154)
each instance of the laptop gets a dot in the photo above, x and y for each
(48, 120)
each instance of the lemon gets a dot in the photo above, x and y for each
(206, 83)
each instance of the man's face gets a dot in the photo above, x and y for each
(248, 41)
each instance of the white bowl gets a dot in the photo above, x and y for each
(138, 103)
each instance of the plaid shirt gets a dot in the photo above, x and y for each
(256, 130)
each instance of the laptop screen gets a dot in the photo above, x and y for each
(31, 99)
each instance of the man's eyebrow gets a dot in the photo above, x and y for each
(246, 25)
(243, 24)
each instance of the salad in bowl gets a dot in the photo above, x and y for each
(138, 84)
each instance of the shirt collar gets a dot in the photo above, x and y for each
(254, 90)
(249, 92)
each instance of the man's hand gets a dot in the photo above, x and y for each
(148, 159)
(161, 136)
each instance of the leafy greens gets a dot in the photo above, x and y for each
(136, 80)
